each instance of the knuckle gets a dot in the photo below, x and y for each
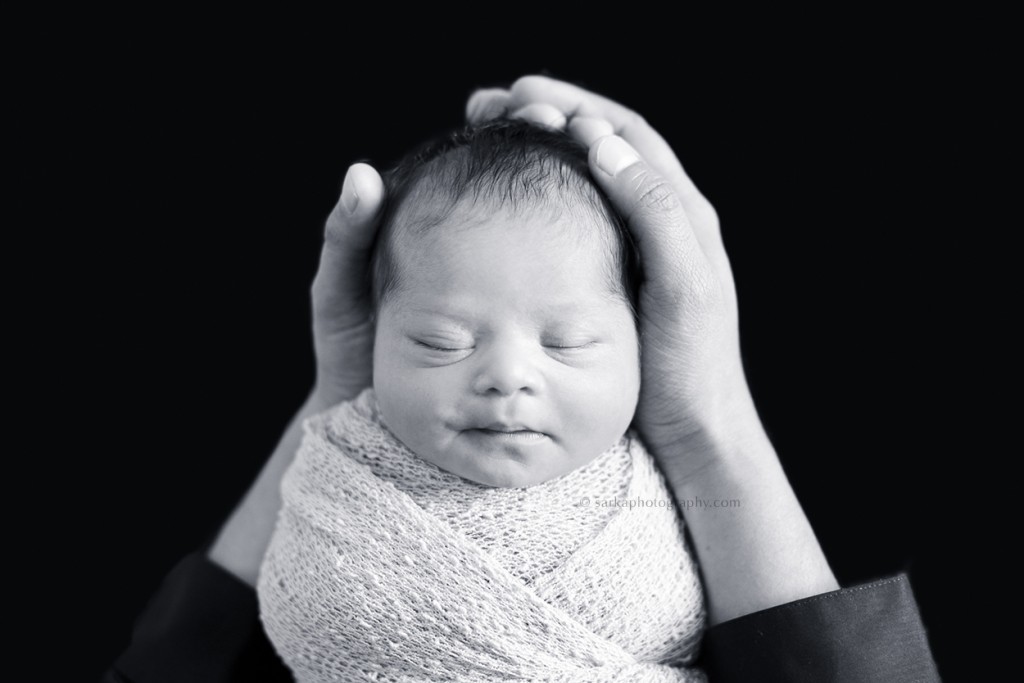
(336, 237)
(708, 213)
(632, 122)
(656, 194)
(700, 207)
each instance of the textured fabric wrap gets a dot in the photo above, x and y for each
(383, 567)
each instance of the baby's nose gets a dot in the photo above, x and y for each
(506, 370)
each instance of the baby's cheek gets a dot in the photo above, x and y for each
(579, 400)
(429, 400)
(606, 405)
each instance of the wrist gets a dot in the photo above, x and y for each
(315, 402)
(244, 537)
(721, 438)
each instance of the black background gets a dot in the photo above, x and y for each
(180, 182)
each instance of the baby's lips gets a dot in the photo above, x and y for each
(506, 427)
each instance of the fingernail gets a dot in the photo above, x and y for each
(589, 130)
(475, 104)
(615, 154)
(486, 104)
(349, 196)
(543, 115)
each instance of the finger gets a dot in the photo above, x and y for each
(349, 226)
(675, 268)
(589, 130)
(573, 101)
(576, 102)
(339, 285)
(570, 99)
(486, 104)
(541, 114)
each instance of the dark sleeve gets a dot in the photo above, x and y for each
(871, 632)
(202, 626)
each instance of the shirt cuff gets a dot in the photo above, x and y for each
(869, 632)
(202, 625)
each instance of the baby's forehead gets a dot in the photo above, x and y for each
(561, 279)
(570, 223)
(532, 251)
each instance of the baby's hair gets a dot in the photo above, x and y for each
(500, 164)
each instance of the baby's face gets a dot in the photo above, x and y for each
(506, 360)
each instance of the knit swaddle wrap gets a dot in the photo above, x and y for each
(383, 567)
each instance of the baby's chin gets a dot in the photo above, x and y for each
(507, 480)
(504, 472)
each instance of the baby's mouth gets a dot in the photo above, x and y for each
(506, 427)
(513, 435)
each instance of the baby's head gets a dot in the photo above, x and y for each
(505, 290)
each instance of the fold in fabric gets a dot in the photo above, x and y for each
(384, 567)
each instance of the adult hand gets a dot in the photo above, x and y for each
(343, 333)
(343, 328)
(695, 410)
(692, 374)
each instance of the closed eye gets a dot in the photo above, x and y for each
(435, 348)
(568, 347)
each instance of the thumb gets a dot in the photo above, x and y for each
(348, 238)
(675, 269)
(351, 224)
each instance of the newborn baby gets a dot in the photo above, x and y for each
(485, 511)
